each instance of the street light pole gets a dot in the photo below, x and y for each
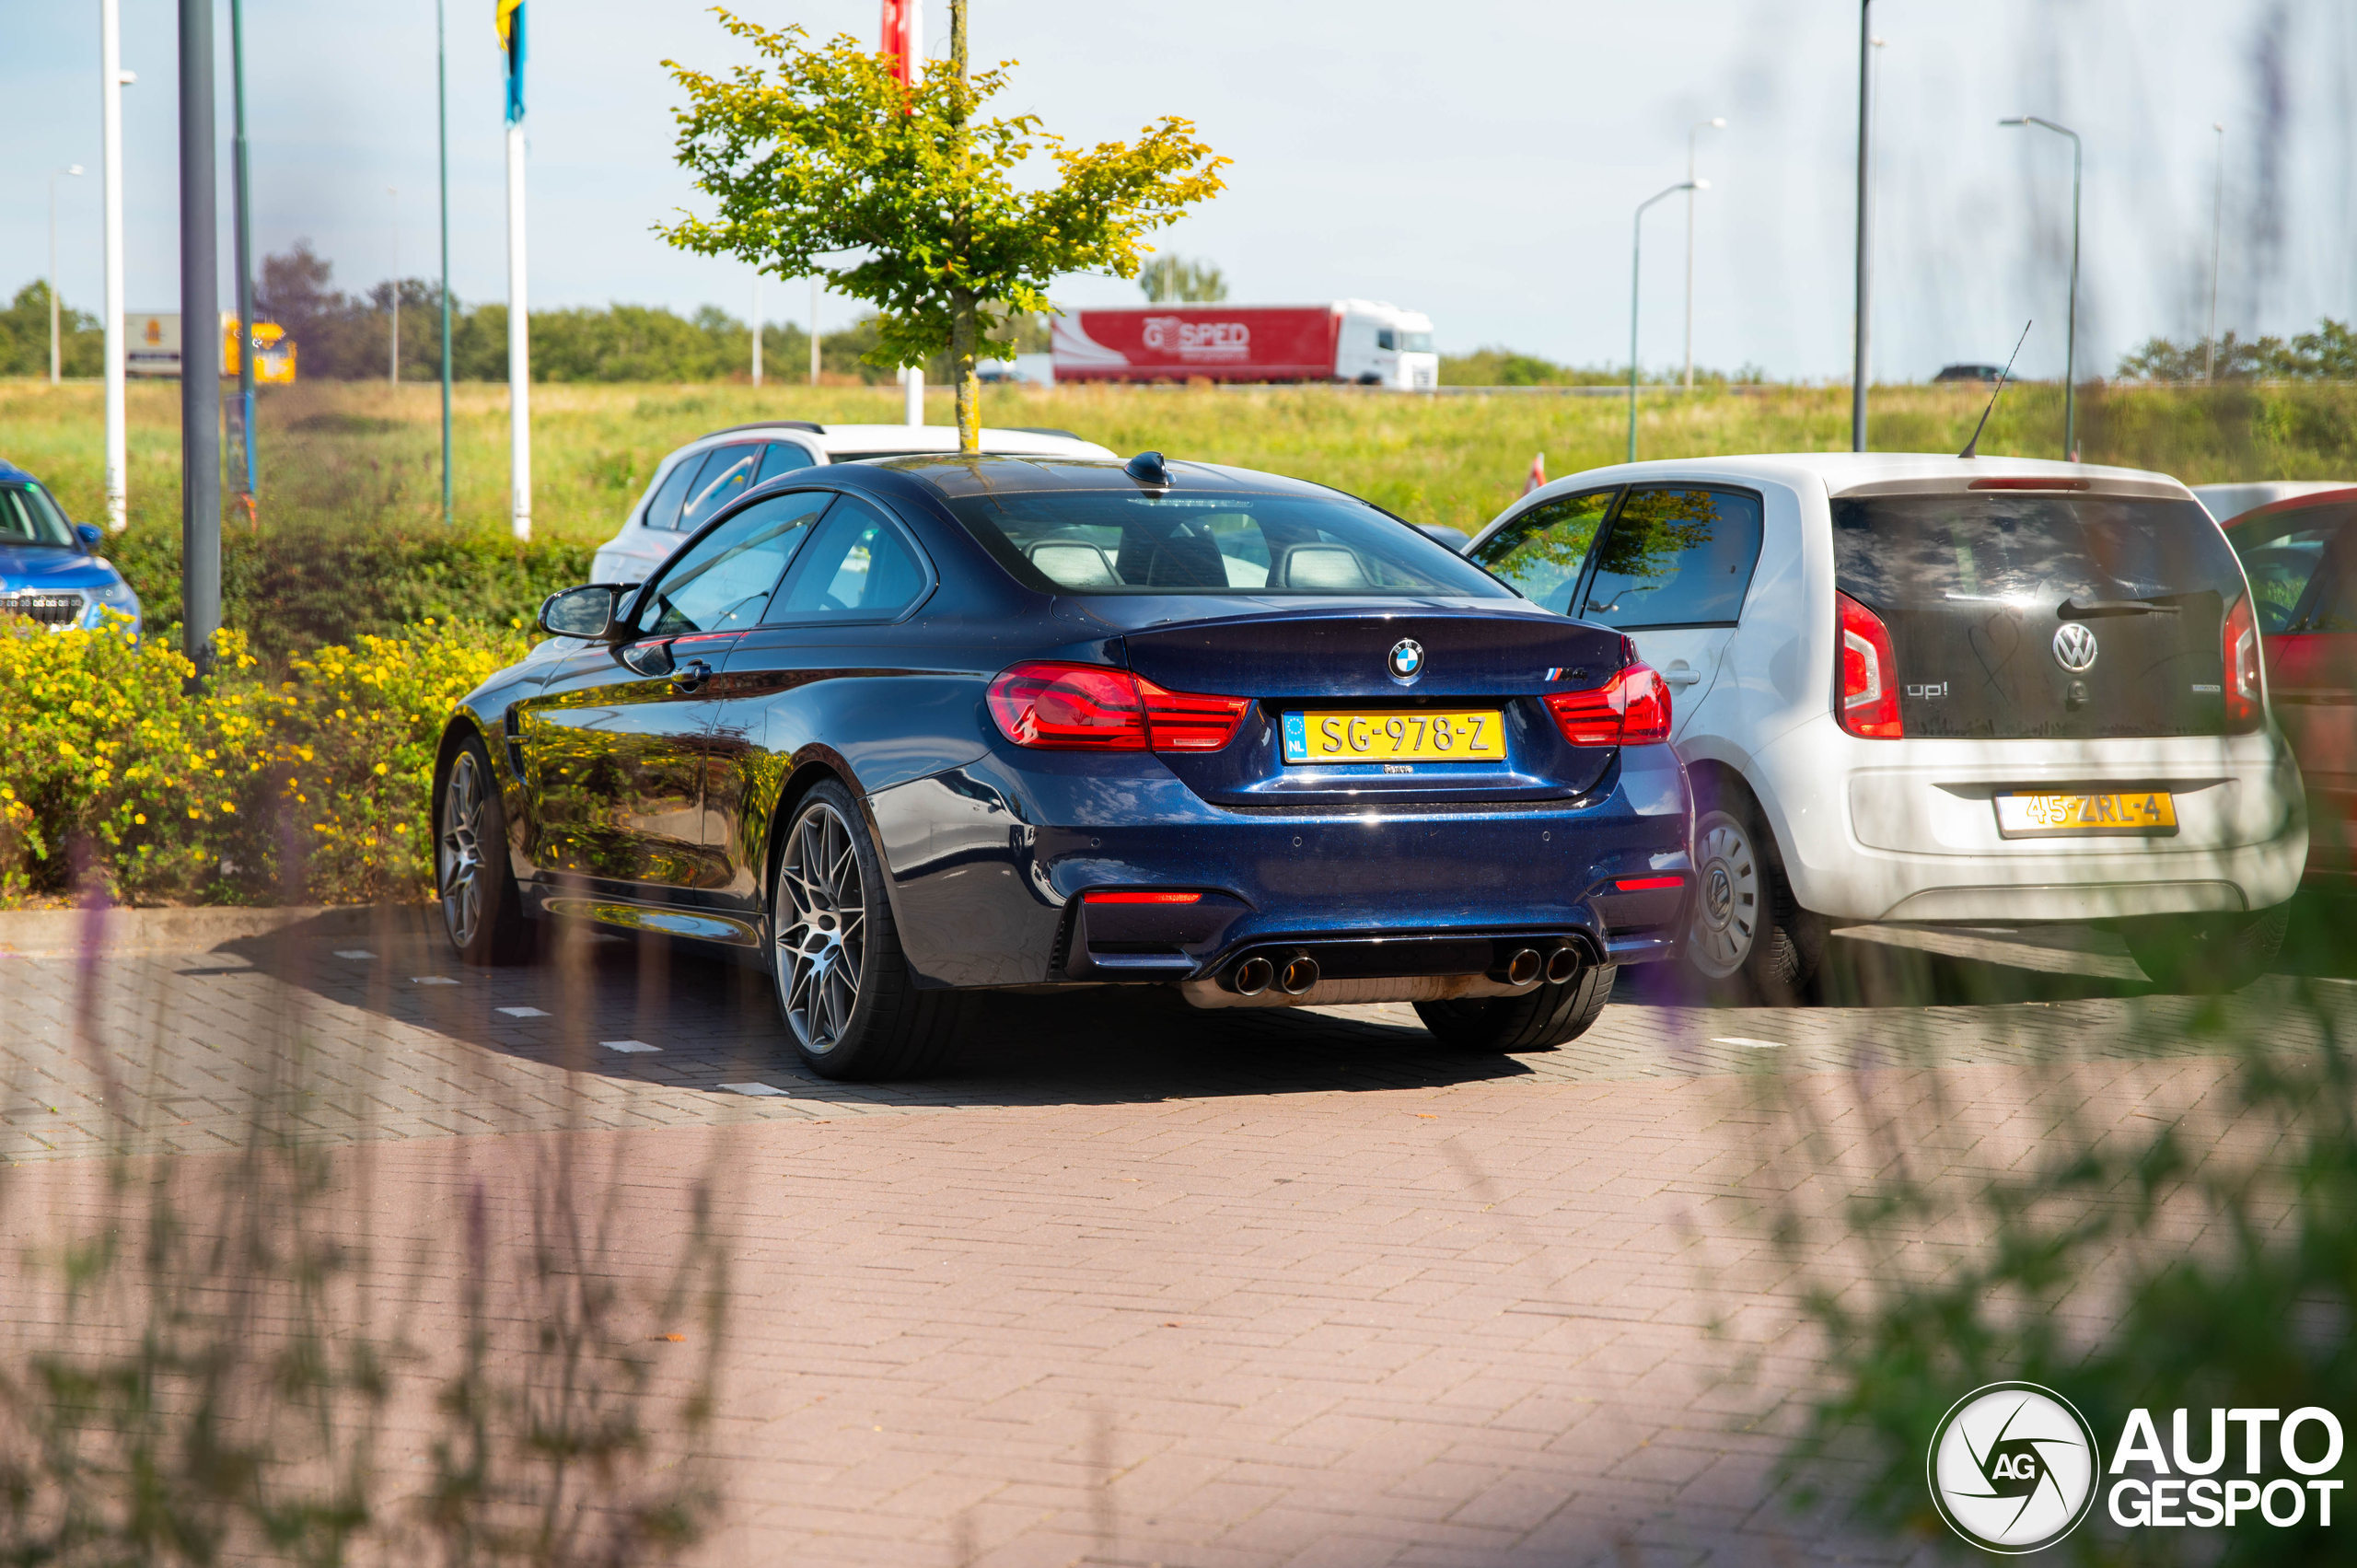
(200, 344)
(1864, 281)
(241, 215)
(1636, 258)
(74, 168)
(1717, 123)
(2071, 330)
(2217, 239)
(112, 79)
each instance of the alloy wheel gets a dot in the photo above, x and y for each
(459, 853)
(1726, 906)
(821, 913)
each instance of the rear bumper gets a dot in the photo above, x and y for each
(1906, 830)
(989, 863)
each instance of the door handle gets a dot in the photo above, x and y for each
(1680, 675)
(691, 675)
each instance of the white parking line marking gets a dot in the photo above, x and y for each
(430, 979)
(1741, 1039)
(354, 953)
(752, 1089)
(628, 1047)
(521, 1012)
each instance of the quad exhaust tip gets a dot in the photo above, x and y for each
(1524, 968)
(1298, 976)
(1254, 975)
(1563, 964)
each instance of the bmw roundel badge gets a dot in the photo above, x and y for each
(1407, 659)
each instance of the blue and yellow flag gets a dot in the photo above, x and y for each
(510, 19)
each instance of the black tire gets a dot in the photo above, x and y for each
(843, 988)
(1545, 1015)
(2204, 955)
(474, 880)
(1747, 934)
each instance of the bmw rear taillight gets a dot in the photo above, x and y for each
(1869, 673)
(2244, 710)
(1089, 707)
(1631, 709)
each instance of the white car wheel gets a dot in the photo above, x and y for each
(1727, 897)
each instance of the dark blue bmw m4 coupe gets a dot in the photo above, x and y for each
(912, 731)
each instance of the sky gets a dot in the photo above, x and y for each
(1480, 162)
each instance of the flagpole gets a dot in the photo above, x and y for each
(519, 376)
(442, 115)
(912, 71)
(112, 77)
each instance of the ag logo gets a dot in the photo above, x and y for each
(1407, 659)
(2013, 1468)
(2074, 647)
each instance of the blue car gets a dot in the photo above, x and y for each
(911, 731)
(49, 569)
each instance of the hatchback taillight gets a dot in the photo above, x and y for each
(2244, 710)
(1631, 709)
(1089, 707)
(1869, 704)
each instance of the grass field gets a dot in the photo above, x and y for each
(365, 453)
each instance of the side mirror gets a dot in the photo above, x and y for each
(582, 612)
(91, 535)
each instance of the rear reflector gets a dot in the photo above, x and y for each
(1631, 709)
(1142, 898)
(1091, 707)
(2027, 481)
(1869, 700)
(1647, 884)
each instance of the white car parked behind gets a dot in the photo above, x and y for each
(694, 483)
(1977, 692)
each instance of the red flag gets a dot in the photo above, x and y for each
(1538, 473)
(901, 21)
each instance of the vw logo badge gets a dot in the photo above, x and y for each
(2075, 647)
(1407, 659)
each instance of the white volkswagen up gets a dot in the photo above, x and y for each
(692, 483)
(1983, 692)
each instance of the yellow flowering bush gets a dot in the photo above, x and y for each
(362, 728)
(112, 770)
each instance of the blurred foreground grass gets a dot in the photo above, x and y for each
(365, 453)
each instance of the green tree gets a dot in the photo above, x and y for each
(824, 153)
(1174, 280)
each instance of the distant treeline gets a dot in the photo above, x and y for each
(2329, 354)
(1498, 366)
(348, 338)
(24, 336)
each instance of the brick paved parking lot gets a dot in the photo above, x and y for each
(1128, 1283)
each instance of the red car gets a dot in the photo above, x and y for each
(2301, 556)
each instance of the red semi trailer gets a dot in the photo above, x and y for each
(1363, 342)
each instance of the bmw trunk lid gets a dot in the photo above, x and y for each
(1410, 663)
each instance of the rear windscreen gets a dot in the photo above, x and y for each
(1975, 589)
(1123, 542)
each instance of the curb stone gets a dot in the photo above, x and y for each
(52, 931)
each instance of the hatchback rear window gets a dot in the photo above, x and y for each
(1975, 586)
(1115, 542)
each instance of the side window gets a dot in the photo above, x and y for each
(860, 567)
(1674, 556)
(782, 457)
(724, 581)
(662, 512)
(1385, 338)
(1539, 552)
(2281, 557)
(726, 475)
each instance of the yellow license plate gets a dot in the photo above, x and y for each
(2136, 813)
(1423, 737)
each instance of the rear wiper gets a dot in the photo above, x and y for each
(2080, 610)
